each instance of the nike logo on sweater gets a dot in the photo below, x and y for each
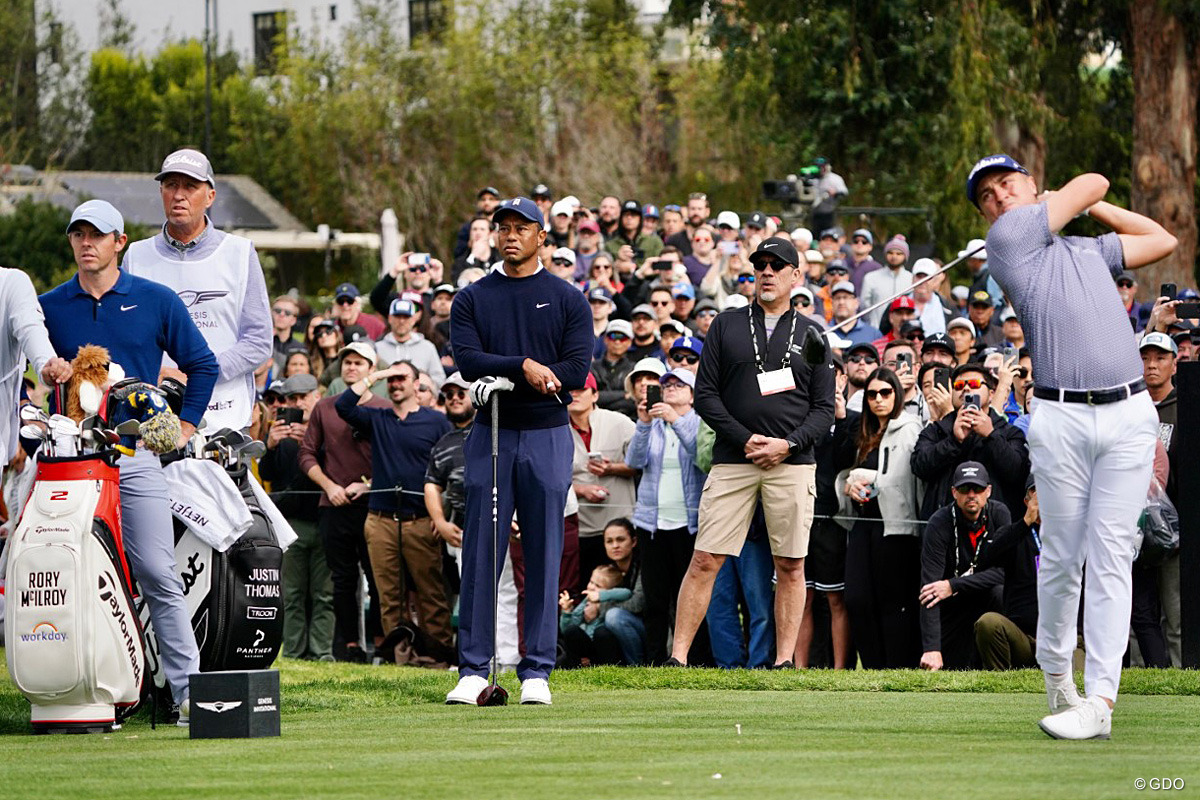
(541, 305)
(129, 308)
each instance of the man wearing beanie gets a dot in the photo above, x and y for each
(881, 284)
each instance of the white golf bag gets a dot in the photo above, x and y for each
(74, 642)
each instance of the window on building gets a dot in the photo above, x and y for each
(425, 18)
(333, 12)
(270, 34)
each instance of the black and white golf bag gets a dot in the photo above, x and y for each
(74, 641)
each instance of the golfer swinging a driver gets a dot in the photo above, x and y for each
(525, 337)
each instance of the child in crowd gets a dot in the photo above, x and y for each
(580, 622)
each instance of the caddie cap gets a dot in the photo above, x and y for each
(188, 162)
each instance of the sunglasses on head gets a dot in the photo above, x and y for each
(745, 279)
(884, 393)
(281, 310)
(968, 383)
(685, 358)
(858, 358)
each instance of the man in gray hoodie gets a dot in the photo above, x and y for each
(404, 343)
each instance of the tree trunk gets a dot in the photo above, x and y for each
(1026, 145)
(1166, 77)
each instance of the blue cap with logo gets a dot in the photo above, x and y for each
(650, 210)
(599, 295)
(999, 161)
(100, 213)
(521, 206)
(688, 343)
(402, 307)
(346, 290)
(684, 290)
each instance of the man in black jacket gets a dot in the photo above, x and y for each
(768, 407)
(955, 588)
(972, 432)
(1007, 640)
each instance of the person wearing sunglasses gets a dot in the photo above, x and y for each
(768, 406)
(860, 360)
(1138, 312)
(685, 354)
(956, 586)
(860, 263)
(973, 431)
(700, 261)
(614, 366)
(874, 449)
(348, 310)
(284, 314)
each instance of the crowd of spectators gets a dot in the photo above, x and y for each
(924, 548)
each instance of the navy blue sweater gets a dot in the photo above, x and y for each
(497, 322)
(399, 450)
(137, 320)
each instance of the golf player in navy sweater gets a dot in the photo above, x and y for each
(527, 334)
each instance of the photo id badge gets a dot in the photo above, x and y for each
(776, 381)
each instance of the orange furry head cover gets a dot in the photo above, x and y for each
(90, 365)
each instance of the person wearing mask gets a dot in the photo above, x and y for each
(880, 284)
(955, 589)
(663, 447)
(883, 547)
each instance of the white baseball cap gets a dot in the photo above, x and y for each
(1160, 340)
(730, 219)
(961, 322)
(925, 266)
(972, 245)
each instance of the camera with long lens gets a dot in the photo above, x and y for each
(795, 190)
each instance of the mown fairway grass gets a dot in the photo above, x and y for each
(362, 732)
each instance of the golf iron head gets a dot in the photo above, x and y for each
(493, 695)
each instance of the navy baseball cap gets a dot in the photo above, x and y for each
(346, 290)
(992, 163)
(970, 473)
(100, 213)
(650, 210)
(757, 220)
(521, 206)
(599, 295)
(401, 307)
(778, 246)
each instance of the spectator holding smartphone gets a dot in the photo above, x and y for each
(883, 548)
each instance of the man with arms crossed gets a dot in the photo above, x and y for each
(218, 278)
(1092, 435)
(523, 332)
(768, 407)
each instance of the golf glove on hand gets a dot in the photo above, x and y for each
(482, 389)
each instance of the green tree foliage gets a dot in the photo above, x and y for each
(32, 239)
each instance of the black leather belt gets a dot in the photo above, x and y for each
(1093, 397)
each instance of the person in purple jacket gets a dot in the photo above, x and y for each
(523, 332)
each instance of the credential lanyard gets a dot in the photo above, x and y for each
(787, 355)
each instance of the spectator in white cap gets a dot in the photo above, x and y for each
(880, 284)
(613, 367)
(959, 295)
(814, 278)
(931, 311)
(562, 264)
(802, 303)
(562, 216)
(802, 238)
(1010, 324)
(403, 342)
(218, 277)
(981, 279)
(729, 226)
(962, 332)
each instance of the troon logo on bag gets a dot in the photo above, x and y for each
(44, 632)
(109, 593)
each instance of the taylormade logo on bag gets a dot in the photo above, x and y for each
(108, 594)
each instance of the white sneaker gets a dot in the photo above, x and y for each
(467, 691)
(1061, 693)
(1091, 719)
(535, 692)
(185, 714)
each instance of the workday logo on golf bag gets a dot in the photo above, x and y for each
(44, 632)
(109, 593)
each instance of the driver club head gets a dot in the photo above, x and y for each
(493, 695)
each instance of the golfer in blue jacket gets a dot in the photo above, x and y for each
(527, 334)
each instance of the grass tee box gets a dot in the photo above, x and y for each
(235, 705)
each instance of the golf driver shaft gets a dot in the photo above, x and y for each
(495, 578)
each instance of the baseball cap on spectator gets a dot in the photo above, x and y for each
(348, 290)
(813, 257)
(903, 302)
(684, 290)
(779, 246)
(961, 322)
(981, 298)
(541, 190)
(1181, 337)
(970, 473)
(521, 206)
(100, 213)
(1007, 314)
(736, 301)
(276, 389)
(674, 325)
(648, 365)
(188, 162)
(599, 295)
(688, 343)
(866, 234)
(590, 382)
(355, 333)
(302, 383)
(456, 379)
(679, 373)
(864, 347)
(563, 254)
(293, 347)
(1126, 275)
(1186, 293)
(619, 326)
(705, 306)
(728, 219)
(910, 327)
(938, 340)
(1160, 340)
(974, 244)
(960, 292)
(832, 233)
(803, 234)
(323, 325)
(843, 286)
(402, 307)
(801, 291)
(631, 207)
(757, 220)
(562, 208)
(643, 309)
(924, 266)
(651, 210)
(897, 242)
(837, 267)
(363, 349)
(588, 225)
(492, 190)
(444, 288)
(992, 163)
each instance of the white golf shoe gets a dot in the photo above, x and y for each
(535, 692)
(1061, 693)
(1091, 719)
(467, 691)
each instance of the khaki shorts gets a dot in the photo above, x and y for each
(727, 506)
